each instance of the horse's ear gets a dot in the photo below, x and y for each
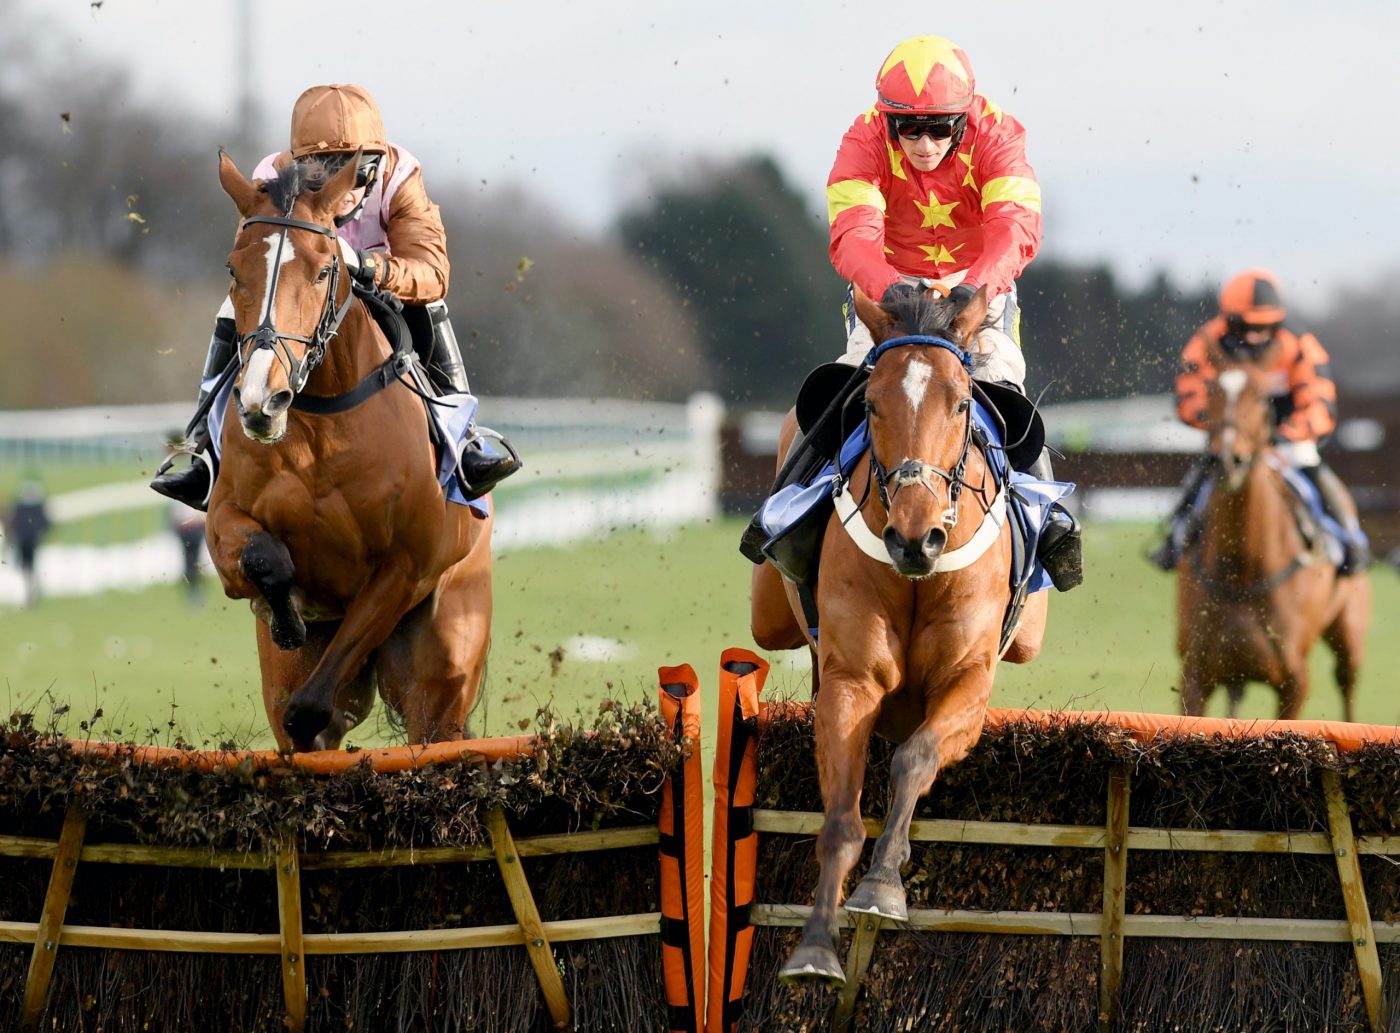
(875, 318)
(328, 198)
(243, 191)
(969, 319)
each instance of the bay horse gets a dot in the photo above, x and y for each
(1253, 597)
(327, 513)
(905, 650)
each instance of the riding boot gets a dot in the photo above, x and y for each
(1060, 549)
(1356, 550)
(1168, 554)
(487, 458)
(194, 484)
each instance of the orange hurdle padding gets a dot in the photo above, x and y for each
(1342, 734)
(682, 855)
(734, 847)
(323, 762)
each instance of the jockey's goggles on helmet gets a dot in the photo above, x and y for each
(940, 127)
(334, 161)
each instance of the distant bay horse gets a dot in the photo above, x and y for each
(910, 639)
(327, 512)
(1253, 597)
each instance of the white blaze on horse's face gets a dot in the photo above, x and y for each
(253, 387)
(916, 377)
(1232, 382)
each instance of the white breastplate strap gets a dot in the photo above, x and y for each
(963, 556)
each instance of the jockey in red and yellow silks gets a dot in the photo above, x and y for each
(1250, 328)
(969, 217)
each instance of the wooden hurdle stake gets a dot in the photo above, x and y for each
(522, 902)
(289, 934)
(50, 931)
(1363, 936)
(1115, 884)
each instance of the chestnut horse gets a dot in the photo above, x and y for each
(1252, 596)
(327, 512)
(906, 650)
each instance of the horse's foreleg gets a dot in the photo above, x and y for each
(951, 729)
(845, 716)
(368, 620)
(267, 564)
(770, 616)
(1346, 637)
(1234, 694)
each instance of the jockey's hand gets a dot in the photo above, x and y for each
(898, 291)
(961, 295)
(366, 271)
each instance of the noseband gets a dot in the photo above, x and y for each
(915, 471)
(268, 336)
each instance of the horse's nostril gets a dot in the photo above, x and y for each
(934, 541)
(278, 403)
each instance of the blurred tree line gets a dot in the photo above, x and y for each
(113, 232)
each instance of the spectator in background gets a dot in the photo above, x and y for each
(26, 526)
(188, 525)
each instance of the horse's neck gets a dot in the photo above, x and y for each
(1252, 527)
(356, 350)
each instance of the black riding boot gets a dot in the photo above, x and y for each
(1060, 550)
(193, 484)
(1168, 554)
(487, 457)
(1356, 551)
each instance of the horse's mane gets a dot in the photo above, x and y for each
(926, 313)
(290, 183)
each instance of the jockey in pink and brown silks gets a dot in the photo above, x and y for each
(395, 233)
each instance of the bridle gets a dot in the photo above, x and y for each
(268, 336)
(889, 482)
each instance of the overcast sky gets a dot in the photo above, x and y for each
(1203, 137)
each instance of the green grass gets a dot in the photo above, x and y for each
(147, 659)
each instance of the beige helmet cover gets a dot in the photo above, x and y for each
(337, 117)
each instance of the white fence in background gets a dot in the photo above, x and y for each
(592, 466)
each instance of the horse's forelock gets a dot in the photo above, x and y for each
(293, 180)
(922, 313)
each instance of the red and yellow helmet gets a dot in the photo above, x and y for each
(1252, 298)
(925, 75)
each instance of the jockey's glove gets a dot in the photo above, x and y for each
(961, 294)
(366, 271)
(898, 291)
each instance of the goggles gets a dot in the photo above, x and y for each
(940, 127)
(335, 161)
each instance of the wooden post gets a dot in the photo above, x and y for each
(1363, 937)
(50, 931)
(867, 930)
(523, 903)
(290, 934)
(1115, 880)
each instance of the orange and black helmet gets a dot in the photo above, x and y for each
(925, 75)
(1252, 299)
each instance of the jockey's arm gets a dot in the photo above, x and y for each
(855, 206)
(416, 270)
(1314, 414)
(1196, 372)
(1011, 222)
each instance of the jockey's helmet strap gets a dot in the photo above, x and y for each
(937, 342)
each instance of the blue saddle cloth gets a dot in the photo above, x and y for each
(453, 415)
(1030, 499)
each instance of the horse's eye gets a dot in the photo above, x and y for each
(870, 409)
(229, 267)
(324, 273)
(964, 405)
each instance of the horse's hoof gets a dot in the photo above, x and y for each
(288, 633)
(303, 722)
(811, 965)
(878, 898)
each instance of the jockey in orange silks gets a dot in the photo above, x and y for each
(395, 234)
(931, 188)
(1250, 328)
